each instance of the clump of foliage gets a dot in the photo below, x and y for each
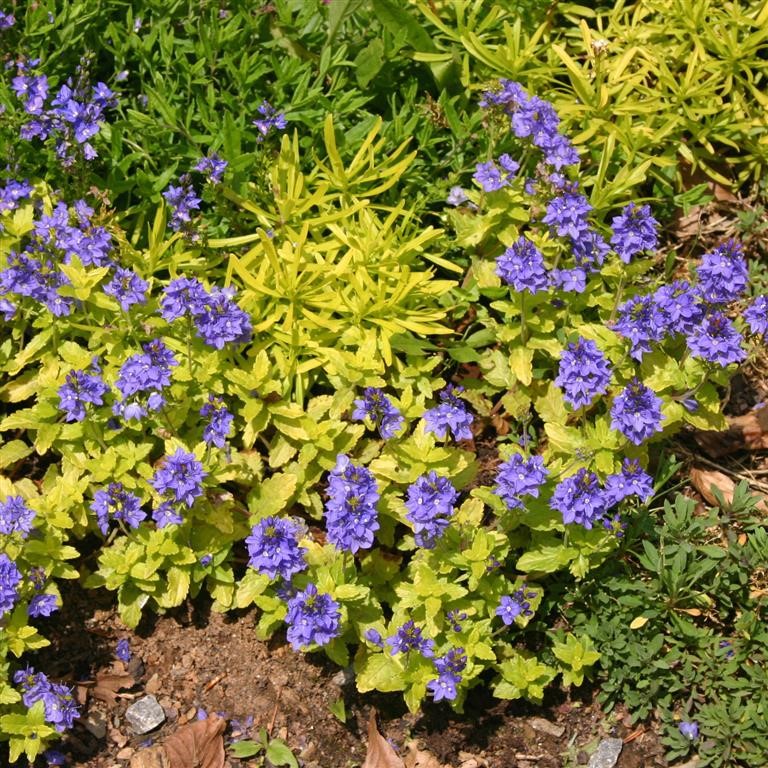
(679, 617)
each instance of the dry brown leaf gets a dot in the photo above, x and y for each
(747, 432)
(380, 752)
(197, 745)
(108, 682)
(419, 758)
(704, 479)
(154, 757)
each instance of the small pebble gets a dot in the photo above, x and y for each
(607, 754)
(145, 715)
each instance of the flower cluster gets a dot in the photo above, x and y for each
(71, 118)
(212, 167)
(377, 407)
(430, 503)
(634, 231)
(56, 239)
(723, 275)
(756, 315)
(182, 200)
(584, 373)
(449, 669)
(142, 379)
(636, 412)
(217, 318)
(580, 499)
(516, 604)
(180, 480)
(80, 389)
(115, 503)
(16, 517)
(10, 578)
(522, 266)
(409, 637)
(312, 617)
(127, 288)
(59, 701)
(517, 477)
(273, 548)
(450, 416)
(492, 177)
(13, 193)
(270, 118)
(350, 512)
(219, 421)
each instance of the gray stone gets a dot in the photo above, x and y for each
(96, 723)
(607, 754)
(144, 715)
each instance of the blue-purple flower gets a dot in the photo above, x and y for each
(716, 340)
(219, 421)
(16, 516)
(633, 480)
(449, 668)
(636, 412)
(580, 499)
(634, 231)
(115, 503)
(270, 118)
(641, 321)
(42, 605)
(350, 512)
(10, 578)
(273, 548)
(59, 702)
(451, 415)
(80, 389)
(518, 477)
(567, 214)
(180, 478)
(182, 200)
(127, 287)
(584, 373)
(756, 315)
(212, 167)
(409, 637)
(516, 604)
(123, 650)
(522, 266)
(689, 729)
(430, 503)
(723, 275)
(377, 407)
(312, 617)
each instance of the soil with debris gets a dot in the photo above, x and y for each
(192, 660)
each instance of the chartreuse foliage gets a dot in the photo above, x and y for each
(670, 86)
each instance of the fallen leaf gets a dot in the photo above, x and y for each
(380, 752)
(197, 745)
(154, 757)
(107, 683)
(748, 432)
(419, 758)
(704, 479)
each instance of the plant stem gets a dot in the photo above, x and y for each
(523, 319)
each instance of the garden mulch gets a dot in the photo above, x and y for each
(193, 659)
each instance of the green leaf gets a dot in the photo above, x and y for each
(546, 558)
(245, 748)
(379, 672)
(279, 753)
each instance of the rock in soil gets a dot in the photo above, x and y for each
(607, 754)
(145, 715)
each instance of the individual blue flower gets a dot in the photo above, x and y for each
(716, 340)
(10, 578)
(312, 617)
(377, 407)
(518, 477)
(123, 650)
(633, 480)
(689, 729)
(522, 266)
(409, 637)
(583, 374)
(634, 231)
(270, 118)
(180, 477)
(456, 196)
(580, 499)
(756, 315)
(212, 167)
(273, 548)
(115, 503)
(454, 617)
(641, 321)
(16, 516)
(636, 412)
(7, 20)
(80, 389)
(58, 700)
(350, 512)
(430, 502)
(589, 250)
(723, 274)
(516, 604)
(166, 514)
(127, 287)
(219, 423)
(489, 177)
(42, 605)
(451, 415)
(572, 280)
(374, 636)
(511, 95)
(567, 214)
(7, 309)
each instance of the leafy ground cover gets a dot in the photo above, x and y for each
(398, 378)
